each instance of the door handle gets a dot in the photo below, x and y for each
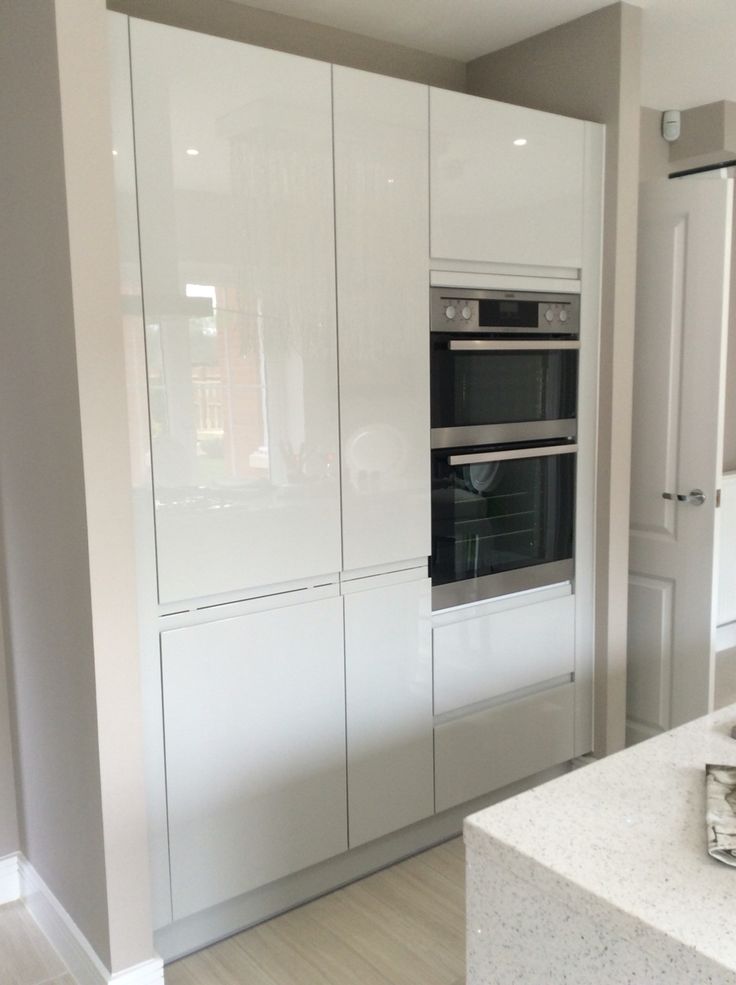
(480, 458)
(696, 497)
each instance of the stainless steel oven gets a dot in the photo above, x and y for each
(504, 366)
(502, 521)
(504, 372)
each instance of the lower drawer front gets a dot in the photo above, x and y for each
(484, 751)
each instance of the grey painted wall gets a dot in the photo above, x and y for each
(707, 137)
(243, 23)
(47, 592)
(9, 836)
(65, 511)
(654, 161)
(590, 68)
(84, 77)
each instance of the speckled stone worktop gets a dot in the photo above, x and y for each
(601, 877)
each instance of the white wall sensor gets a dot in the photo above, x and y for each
(671, 124)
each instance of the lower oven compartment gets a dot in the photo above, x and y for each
(502, 520)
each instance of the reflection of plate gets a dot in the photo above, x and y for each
(482, 476)
(376, 448)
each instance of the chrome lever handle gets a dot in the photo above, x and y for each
(696, 497)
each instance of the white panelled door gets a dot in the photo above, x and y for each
(681, 321)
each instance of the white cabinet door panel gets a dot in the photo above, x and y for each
(487, 750)
(382, 229)
(254, 712)
(389, 708)
(483, 658)
(235, 186)
(495, 200)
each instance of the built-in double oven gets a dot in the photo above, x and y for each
(504, 381)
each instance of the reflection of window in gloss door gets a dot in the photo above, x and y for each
(264, 449)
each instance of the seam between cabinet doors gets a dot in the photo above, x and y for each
(339, 448)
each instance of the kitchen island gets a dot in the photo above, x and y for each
(602, 877)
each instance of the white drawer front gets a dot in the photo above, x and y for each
(487, 750)
(494, 654)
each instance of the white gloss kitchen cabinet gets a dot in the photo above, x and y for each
(388, 647)
(235, 204)
(382, 230)
(274, 227)
(503, 691)
(293, 682)
(507, 183)
(255, 749)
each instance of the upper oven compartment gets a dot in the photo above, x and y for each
(504, 313)
(492, 385)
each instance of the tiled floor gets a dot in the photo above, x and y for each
(402, 926)
(26, 957)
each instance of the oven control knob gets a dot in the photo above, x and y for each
(549, 314)
(466, 312)
(563, 315)
(450, 311)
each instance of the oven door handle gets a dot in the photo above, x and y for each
(512, 453)
(508, 345)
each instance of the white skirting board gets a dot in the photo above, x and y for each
(9, 878)
(63, 934)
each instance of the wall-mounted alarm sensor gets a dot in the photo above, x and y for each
(671, 124)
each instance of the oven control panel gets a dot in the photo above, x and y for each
(504, 312)
(554, 313)
(461, 312)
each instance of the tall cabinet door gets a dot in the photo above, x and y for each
(235, 194)
(507, 182)
(254, 712)
(388, 688)
(382, 224)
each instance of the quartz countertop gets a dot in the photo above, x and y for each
(624, 841)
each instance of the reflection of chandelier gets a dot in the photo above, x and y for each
(269, 295)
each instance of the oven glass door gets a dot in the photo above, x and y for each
(474, 384)
(498, 513)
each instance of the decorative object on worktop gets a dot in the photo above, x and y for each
(720, 793)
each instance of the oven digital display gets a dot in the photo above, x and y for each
(502, 313)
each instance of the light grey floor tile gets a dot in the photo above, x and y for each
(401, 926)
(26, 957)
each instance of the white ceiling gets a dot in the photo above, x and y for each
(462, 29)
